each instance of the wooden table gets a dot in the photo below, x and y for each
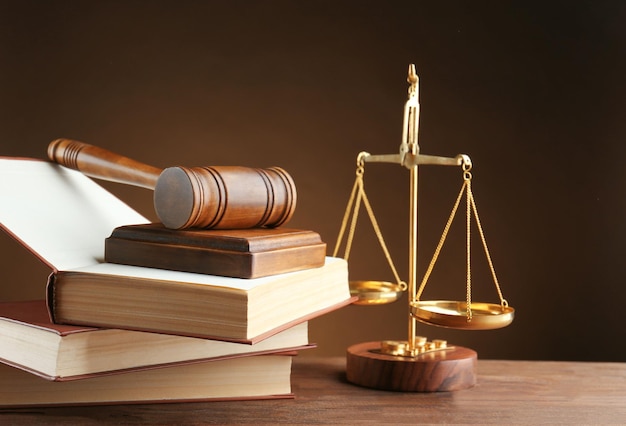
(528, 392)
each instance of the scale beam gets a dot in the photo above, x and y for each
(409, 160)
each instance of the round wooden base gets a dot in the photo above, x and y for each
(445, 370)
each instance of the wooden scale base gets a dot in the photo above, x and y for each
(446, 370)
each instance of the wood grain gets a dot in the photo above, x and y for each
(219, 197)
(506, 392)
(102, 164)
(224, 197)
(240, 253)
(446, 370)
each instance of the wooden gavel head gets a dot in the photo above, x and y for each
(219, 197)
(226, 197)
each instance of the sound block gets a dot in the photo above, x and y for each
(239, 253)
(445, 370)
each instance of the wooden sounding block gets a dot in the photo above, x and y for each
(446, 370)
(240, 253)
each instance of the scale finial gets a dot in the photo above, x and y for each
(413, 80)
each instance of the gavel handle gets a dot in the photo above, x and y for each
(102, 164)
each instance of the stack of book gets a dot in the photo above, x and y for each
(111, 333)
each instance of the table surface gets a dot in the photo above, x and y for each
(527, 392)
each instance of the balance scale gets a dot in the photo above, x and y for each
(417, 364)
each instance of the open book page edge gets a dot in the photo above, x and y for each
(57, 213)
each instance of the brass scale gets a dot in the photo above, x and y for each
(465, 314)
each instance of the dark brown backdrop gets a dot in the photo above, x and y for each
(533, 91)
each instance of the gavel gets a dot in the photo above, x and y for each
(218, 197)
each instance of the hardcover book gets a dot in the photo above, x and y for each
(29, 341)
(64, 218)
(256, 377)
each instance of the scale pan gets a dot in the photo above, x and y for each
(375, 292)
(453, 314)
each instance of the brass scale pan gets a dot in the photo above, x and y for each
(453, 314)
(442, 313)
(375, 292)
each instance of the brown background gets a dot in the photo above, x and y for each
(534, 92)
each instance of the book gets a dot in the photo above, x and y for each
(256, 377)
(30, 341)
(206, 306)
(64, 218)
(239, 253)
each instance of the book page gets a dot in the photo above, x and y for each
(189, 277)
(60, 214)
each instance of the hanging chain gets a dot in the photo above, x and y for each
(441, 241)
(467, 180)
(355, 193)
(503, 301)
(357, 196)
(471, 207)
